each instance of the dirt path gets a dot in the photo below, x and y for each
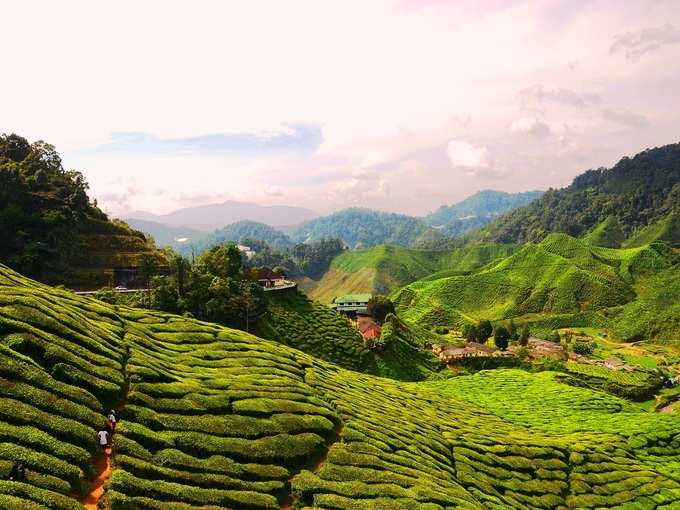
(103, 470)
(103, 465)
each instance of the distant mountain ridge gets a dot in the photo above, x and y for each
(356, 227)
(176, 237)
(213, 216)
(363, 228)
(477, 210)
(235, 232)
(637, 192)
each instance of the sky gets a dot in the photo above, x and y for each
(400, 105)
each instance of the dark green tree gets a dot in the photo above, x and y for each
(379, 307)
(484, 330)
(501, 336)
(512, 330)
(223, 261)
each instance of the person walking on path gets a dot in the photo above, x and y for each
(112, 421)
(18, 473)
(104, 437)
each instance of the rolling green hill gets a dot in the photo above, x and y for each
(477, 210)
(559, 282)
(49, 228)
(382, 269)
(637, 191)
(214, 418)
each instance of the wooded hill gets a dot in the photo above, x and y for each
(637, 192)
(477, 210)
(215, 418)
(49, 228)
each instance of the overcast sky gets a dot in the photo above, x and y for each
(397, 105)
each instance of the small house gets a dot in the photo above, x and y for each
(352, 304)
(268, 278)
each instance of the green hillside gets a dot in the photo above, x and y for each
(559, 282)
(214, 418)
(607, 234)
(477, 210)
(666, 229)
(294, 320)
(382, 269)
(49, 228)
(637, 191)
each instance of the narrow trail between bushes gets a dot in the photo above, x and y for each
(314, 468)
(103, 466)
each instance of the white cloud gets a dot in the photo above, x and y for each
(274, 191)
(530, 125)
(387, 83)
(466, 155)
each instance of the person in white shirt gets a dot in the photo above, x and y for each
(112, 420)
(103, 439)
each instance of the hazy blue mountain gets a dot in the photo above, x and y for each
(177, 237)
(214, 216)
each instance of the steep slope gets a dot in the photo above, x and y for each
(558, 283)
(636, 191)
(363, 228)
(216, 419)
(296, 321)
(49, 228)
(382, 269)
(607, 234)
(477, 210)
(666, 229)
(212, 216)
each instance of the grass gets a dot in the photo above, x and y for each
(216, 418)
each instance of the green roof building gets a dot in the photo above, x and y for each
(352, 303)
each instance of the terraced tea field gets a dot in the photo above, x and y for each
(382, 269)
(215, 419)
(561, 282)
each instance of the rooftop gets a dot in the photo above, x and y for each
(353, 298)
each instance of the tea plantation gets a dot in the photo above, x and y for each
(214, 418)
(382, 269)
(560, 282)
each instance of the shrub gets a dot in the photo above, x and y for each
(584, 348)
